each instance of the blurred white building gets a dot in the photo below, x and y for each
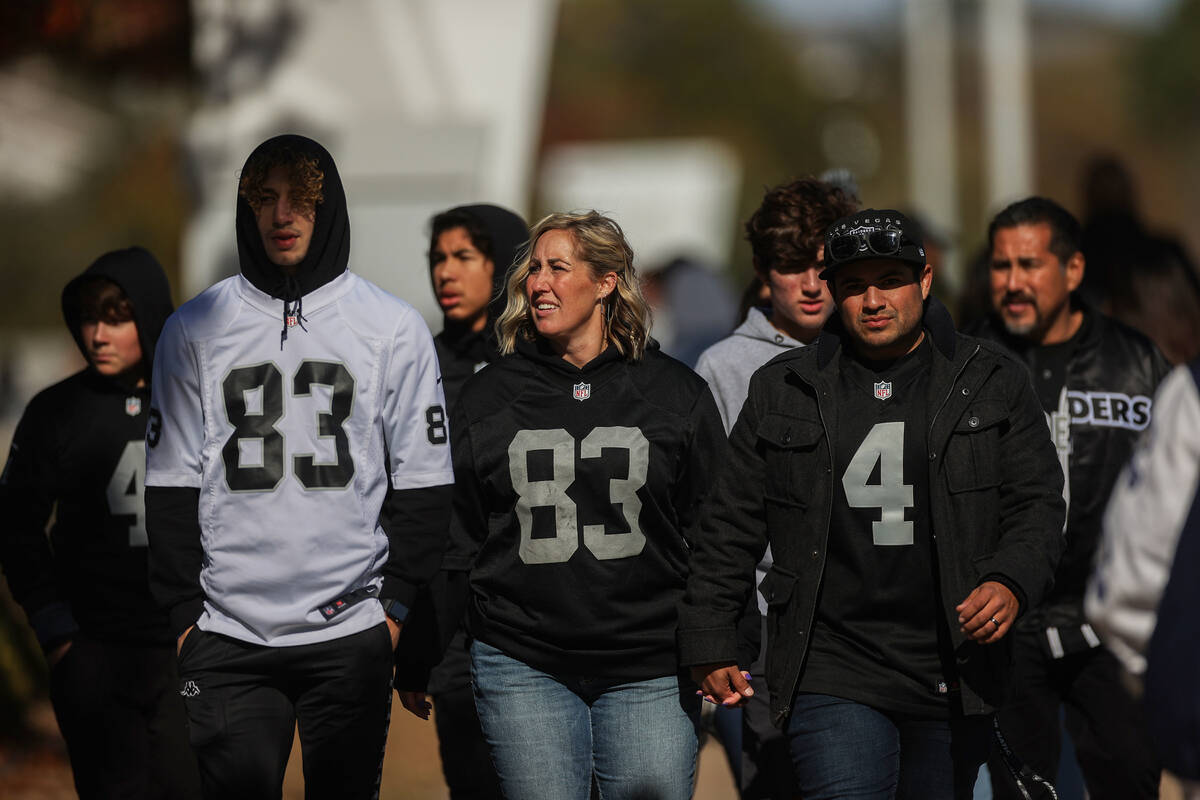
(424, 104)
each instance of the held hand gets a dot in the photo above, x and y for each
(988, 612)
(722, 684)
(394, 629)
(416, 703)
(56, 655)
(182, 636)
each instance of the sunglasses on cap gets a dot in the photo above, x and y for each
(881, 242)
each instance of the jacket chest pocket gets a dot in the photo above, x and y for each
(972, 460)
(791, 453)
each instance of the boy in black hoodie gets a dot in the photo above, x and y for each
(79, 452)
(471, 250)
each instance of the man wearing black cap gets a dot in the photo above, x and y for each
(298, 485)
(902, 475)
(78, 456)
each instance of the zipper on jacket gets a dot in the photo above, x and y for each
(787, 709)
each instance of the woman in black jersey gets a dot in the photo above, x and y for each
(580, 458)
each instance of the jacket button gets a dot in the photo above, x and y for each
(778, 339)
(799, 633)
(787, 437)
(932, 456)
(973, 422)
(966, 391)
(816, 554)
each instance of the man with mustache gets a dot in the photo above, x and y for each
(1096, 380)
(902, 476)
(297, 490)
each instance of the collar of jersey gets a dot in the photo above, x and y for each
(314, 301)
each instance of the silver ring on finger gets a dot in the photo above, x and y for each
(995, 622)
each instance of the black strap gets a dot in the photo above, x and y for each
(1018, 769)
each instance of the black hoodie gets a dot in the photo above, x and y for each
(461, 352)
(80, 445)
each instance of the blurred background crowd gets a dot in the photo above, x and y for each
(124, 122)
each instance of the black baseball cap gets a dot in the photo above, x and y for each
(872, 233)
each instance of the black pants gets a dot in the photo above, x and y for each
(766, 757)
(466, 763)
(119, 710)
(244, 702)
(1106, 724)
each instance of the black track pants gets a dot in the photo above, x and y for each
(244, 702)
(1106, 724)
(119, 710)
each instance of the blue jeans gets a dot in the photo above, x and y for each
(548, 733)
(842, 749)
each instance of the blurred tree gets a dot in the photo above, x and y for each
(1164, 89)
(628, 68)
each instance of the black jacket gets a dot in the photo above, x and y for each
(995, 486)
(78, 452)
(1109, 361)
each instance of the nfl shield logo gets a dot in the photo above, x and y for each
(582, 391)
(291, 321)
(133, 406)
(883, 390)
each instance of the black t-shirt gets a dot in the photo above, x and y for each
(876, 637)
(1048, 366)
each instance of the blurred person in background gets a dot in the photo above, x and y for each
(1144, 279)
(1095, 378)
(786, 235)
(580, 459)
(79, 453)
(692, 306)
(1144, 592)
(471, 249)
(901, 473)
(297, 490)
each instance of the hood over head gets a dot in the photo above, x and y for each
(143, 281)
(329, 251)
(508, 232)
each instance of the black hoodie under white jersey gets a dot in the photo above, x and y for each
(79, 452)
(579, 488)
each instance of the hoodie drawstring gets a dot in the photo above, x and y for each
(293, 306)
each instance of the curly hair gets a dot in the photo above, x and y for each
(789, 227)
(600, 243)
(305, 178)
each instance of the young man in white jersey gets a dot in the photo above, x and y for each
(297, 490)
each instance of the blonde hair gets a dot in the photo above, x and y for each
(600, 243)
